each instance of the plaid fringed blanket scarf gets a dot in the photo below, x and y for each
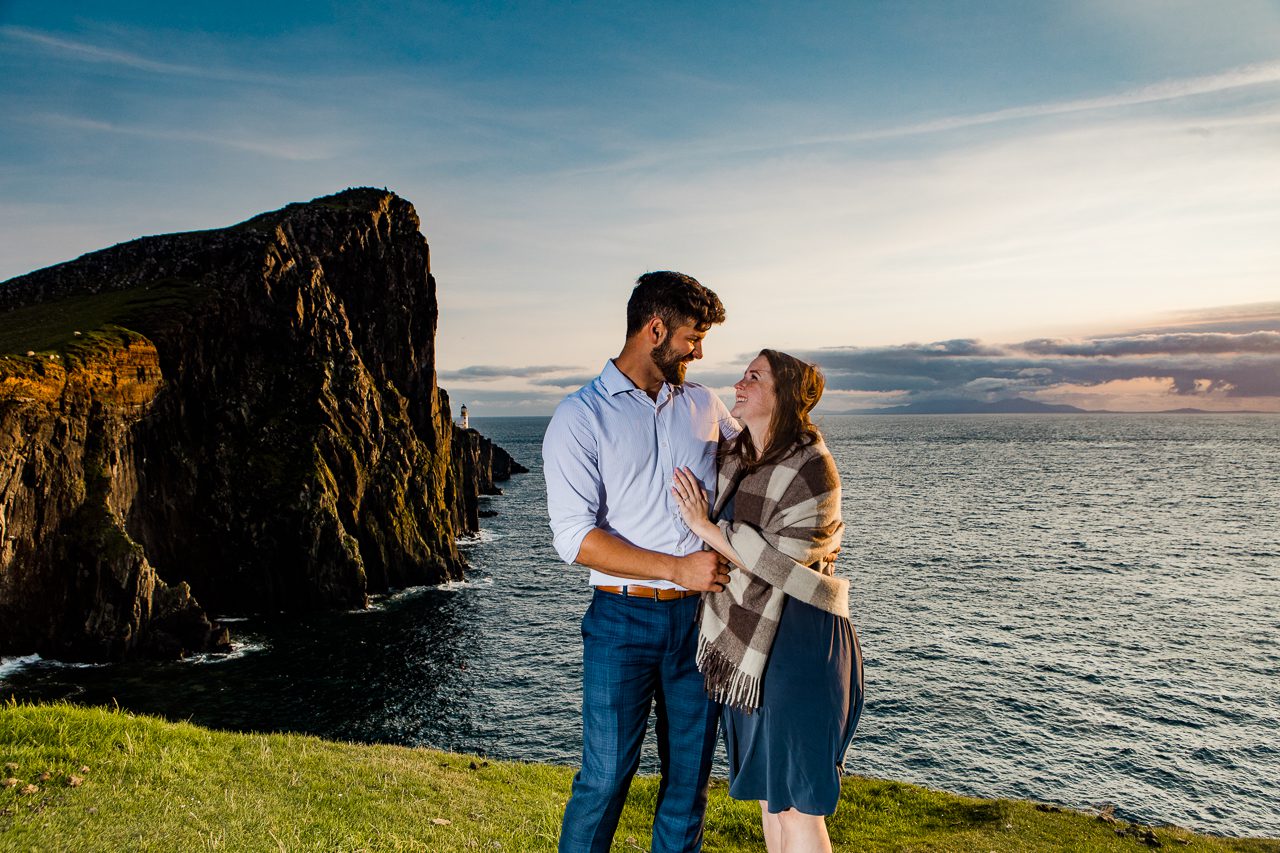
(786, 519)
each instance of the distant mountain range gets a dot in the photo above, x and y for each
(1013, 406)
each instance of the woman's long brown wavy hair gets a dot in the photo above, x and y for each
(797, 388)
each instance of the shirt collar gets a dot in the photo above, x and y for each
(616, 382)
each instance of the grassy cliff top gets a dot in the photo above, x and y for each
(111, 287)
(204, 256)
(350, 200)
(52, 326)
(122, 782)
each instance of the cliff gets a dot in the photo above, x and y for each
(246, 416)
(478, 465)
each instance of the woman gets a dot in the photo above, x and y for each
(776, 646)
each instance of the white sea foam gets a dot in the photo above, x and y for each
(8, 666)
(479, 538)
(454, 586)
(379, 602)
(72, 664)
(238, 650)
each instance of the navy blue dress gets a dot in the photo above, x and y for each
(790, 751)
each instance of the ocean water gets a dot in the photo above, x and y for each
(1078, 609)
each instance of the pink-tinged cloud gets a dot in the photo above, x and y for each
(1212, 364)
(1175, 344)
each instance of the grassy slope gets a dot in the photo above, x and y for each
(154, 785)
(51, 326)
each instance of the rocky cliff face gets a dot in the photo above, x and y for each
(248, 415)
(478, 464)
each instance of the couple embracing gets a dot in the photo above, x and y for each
(711, 537)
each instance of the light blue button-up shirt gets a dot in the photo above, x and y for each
(609, 454)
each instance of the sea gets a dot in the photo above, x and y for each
(1077, 609)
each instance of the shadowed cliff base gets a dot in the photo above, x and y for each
(247, 417)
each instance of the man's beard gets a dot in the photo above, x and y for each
(669, 362)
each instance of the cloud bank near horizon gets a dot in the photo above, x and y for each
(493, 373)
(1226, 368)
(1201, 365)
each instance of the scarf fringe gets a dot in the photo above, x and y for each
(724, 681)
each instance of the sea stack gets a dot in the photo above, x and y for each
(238, 420)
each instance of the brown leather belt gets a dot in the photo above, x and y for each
(648, 592)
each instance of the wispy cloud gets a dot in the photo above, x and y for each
(576, 380)
(491, 373)
(1254, 317)
(738, 145)
(1258, 74)
(1184, 343)
(86, 52)
(309, 150)
(482, 402)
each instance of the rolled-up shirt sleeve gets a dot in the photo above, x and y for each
(575, 489)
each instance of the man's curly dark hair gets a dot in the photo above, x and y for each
(677, 299)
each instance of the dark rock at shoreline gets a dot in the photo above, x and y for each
(478, 464)
(247, 416)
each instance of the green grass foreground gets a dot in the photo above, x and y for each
(142, 783)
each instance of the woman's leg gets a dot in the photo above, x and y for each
(804, 833)
(772, 829)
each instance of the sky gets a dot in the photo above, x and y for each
(1070, 202)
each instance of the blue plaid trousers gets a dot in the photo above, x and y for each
(639, 654)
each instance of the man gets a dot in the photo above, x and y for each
(609, 455)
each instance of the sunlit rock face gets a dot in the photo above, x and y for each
(247, 417)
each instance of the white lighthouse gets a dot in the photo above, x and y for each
(466, 420)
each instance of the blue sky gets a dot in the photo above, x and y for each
(854, 179)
